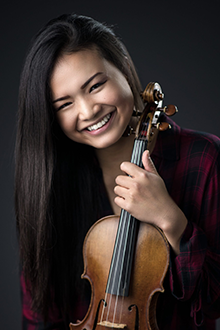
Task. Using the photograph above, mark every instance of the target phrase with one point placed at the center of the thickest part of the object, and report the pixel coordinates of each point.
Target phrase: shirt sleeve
(195, 272)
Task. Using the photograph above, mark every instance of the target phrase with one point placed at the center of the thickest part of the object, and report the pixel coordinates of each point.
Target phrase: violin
(126, 260)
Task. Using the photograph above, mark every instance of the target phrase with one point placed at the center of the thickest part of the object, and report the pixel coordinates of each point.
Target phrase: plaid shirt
(189, 163)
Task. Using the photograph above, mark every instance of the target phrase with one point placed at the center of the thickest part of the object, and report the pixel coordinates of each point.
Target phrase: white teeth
(100, 124)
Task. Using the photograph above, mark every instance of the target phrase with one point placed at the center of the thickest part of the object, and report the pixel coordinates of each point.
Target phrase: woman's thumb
(148, 163)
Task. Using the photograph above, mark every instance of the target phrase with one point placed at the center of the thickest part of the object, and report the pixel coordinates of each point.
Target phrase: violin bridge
(112, 325)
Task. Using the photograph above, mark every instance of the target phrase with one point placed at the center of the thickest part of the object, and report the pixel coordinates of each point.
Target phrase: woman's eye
(97, 85)
(64, 105)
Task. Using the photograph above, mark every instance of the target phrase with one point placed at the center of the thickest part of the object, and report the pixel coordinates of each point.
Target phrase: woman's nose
(87, 109)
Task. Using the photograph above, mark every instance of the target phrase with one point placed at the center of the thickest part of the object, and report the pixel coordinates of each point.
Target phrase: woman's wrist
(174, 227)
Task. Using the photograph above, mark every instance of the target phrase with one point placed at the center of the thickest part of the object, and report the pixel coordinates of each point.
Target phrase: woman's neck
(110, 159)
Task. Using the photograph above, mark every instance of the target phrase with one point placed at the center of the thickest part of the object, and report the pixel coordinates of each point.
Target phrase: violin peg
(170, 110)
(163, 126)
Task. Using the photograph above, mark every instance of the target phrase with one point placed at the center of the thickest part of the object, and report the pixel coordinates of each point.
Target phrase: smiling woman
(79, 92)
(93, 99)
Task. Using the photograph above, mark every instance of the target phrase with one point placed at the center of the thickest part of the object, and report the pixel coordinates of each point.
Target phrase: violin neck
(138, 149)
(122, 258)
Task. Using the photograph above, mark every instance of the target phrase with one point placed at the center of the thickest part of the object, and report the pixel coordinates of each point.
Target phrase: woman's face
(92, 98)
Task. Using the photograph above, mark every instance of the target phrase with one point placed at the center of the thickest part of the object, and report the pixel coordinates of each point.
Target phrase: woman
(78, 91)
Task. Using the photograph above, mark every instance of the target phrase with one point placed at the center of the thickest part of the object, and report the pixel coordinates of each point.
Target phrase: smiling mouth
(99, 124)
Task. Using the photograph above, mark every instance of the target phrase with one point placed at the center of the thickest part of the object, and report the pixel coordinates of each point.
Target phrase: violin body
(138, 309)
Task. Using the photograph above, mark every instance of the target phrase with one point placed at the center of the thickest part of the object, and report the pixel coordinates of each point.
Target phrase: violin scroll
(149, 123)
(153, 97)
(152, 93)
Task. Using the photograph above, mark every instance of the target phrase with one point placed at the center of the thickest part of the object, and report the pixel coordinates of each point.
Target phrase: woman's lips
(101, 126)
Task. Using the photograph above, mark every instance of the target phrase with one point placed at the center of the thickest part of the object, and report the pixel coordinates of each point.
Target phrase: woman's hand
(143, 194)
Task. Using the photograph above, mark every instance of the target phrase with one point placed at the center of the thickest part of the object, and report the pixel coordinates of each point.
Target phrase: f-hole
(97, 313)
(136, 315)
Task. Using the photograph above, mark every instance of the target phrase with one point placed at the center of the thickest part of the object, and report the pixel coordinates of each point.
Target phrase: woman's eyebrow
(90, 79)
(82, 87)
(61, 99)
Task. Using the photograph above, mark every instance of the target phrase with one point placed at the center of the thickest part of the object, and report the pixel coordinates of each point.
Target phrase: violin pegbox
(150, 118)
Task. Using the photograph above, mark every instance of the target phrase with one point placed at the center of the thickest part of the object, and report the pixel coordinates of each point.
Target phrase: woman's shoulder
(205, 144)
(203, 137)
(177, 142)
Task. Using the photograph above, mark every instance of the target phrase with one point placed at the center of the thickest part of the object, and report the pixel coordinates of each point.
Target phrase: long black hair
(55, 177)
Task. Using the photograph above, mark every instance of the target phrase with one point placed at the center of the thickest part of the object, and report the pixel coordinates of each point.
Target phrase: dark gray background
(173, 42)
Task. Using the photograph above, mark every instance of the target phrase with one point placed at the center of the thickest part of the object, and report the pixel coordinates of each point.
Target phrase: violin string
(127, 265)
(124, 233)
(121, 309)
(136, 156)
(118, 247)
(117, 243)
(131, 225)
(119, 265)
(126, 220)
(137, 152)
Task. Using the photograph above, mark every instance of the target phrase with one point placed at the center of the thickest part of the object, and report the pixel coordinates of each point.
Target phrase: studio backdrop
(175, 43)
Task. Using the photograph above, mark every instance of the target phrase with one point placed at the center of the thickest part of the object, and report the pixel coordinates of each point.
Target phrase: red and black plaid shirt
(189, 163)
